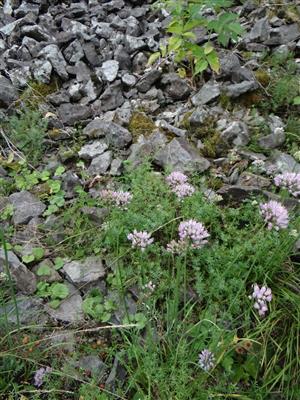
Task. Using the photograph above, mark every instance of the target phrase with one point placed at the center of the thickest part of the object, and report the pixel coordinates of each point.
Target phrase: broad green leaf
(189, 35)
(38, 253)
(58, 263)
(59, 170)
(44, 270)
(54, 303)
(236, 28)
(200, 66)
(59, 290)
(208, 48)
(28, 258)
(213, 61)
(45, 175)
(163, 50)
(296, 101)
(154, 56)
(174, 43)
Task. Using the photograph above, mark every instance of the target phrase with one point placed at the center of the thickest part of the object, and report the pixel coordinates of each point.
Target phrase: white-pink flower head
(176, 178)
(275, 215)
(140, 239)
(289, 181)
(193, 232)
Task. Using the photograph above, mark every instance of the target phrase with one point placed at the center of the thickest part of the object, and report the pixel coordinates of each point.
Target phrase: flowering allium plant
(275, 215)
(193, 232)
(120, 198)
(179, 185)
(206, 360)
(176, 178)
(183, 190)
(177, 247)
(140, 239)
(289, 181)
(262, 296)
(40, 375)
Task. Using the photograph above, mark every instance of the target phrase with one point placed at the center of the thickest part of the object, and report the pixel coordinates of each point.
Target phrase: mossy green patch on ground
(140, 124)
(36, 93)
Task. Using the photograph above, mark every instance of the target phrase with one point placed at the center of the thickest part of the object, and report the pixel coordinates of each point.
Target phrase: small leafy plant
(27, 132)
(97, 307)
(55, 291)
(183, 43)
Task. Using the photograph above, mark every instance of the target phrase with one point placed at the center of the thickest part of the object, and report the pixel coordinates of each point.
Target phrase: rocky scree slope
(96, 52)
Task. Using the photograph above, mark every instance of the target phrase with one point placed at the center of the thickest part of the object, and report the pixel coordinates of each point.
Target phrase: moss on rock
(140, 124)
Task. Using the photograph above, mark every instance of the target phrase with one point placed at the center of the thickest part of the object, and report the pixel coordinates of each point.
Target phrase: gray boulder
(54, 55)
(175, 87)
(70, 309)
(236, 89)
(180, 155)
(260, 31)
(30, 311)
(115, 135)
(81, 272)
(209, 91)
(100, 164)
(145, 83)
(283, 34)
(146, 147)
(8, 94)
(25, 279)
(42, 70)
(283, 162)
(26, 206)
(92, 150)
(112, 97)
(236, 133)
(73, 113)
(109, 70)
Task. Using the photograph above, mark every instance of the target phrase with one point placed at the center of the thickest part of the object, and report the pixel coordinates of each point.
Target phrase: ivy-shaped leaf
(58, 263)
(28, 258)
(59, 291)
(44, 270)
(38, 253)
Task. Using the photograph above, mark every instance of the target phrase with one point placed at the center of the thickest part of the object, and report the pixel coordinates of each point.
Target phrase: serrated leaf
(154, 56)
(44, 270)
(208, 48)
(189, 35)
(174, 43)
(200, 66)
(236, 28)
(213, 61)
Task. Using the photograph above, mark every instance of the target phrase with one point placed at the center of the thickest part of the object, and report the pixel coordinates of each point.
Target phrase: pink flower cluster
(120, 198)
(289, 181)
(191, 233)
(179, 185)
(140, 239)
(275, 215)
(262, 296)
